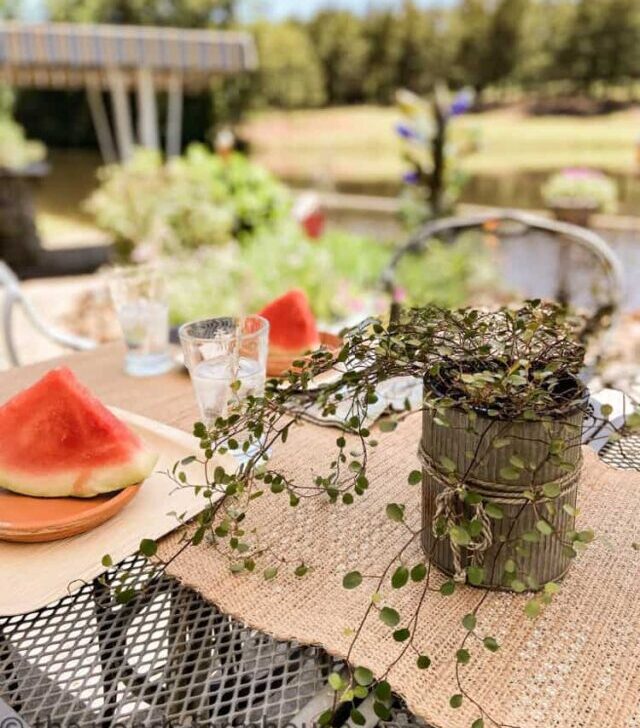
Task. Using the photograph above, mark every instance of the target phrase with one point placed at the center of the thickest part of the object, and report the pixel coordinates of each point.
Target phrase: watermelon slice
(292, 326)
(57, 439)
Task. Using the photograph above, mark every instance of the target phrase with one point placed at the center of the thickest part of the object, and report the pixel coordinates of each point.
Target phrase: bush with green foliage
(581, 188)
(338, 273)
(289, 74)
(17, 153)
(197, 200)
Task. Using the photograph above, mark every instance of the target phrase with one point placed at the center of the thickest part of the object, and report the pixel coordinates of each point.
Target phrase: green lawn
(357, 144)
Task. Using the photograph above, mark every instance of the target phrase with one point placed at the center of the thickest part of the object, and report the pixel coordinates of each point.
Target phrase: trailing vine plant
(486, 373)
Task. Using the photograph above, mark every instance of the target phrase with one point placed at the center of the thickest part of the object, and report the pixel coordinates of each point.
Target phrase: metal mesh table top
(169, 658)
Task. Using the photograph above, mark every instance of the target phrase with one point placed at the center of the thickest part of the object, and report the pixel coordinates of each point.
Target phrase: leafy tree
(603, 44)
(384, 36)
(472, 25)
(341, 45)
(290, 73)
(180, 13)
(425, 53)
(504, 39)
(539, 49)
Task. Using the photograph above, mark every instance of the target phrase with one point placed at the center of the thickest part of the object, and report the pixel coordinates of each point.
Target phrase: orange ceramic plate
(279, 364)
(30, 520)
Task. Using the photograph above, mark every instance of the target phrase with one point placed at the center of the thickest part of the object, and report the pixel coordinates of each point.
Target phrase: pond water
(72, 179)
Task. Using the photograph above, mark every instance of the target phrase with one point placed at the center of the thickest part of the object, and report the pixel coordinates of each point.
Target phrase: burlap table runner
(577, 665)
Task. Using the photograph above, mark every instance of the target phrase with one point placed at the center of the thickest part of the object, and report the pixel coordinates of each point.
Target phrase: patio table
(169, 658)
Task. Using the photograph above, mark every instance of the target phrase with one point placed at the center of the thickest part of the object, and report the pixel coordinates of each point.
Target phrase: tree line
(338, 57)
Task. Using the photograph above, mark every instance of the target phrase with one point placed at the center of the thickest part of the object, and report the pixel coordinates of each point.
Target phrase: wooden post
(174, 117)
(147, 111)
(121, 112)
(101, 123)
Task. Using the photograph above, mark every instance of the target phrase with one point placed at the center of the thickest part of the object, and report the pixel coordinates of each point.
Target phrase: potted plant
(502, 414)
(575, 194)
(21, 161)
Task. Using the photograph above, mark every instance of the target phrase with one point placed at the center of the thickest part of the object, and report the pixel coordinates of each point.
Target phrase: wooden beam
(101, 124)
(147, 110)
(174, 117)
(121, 113)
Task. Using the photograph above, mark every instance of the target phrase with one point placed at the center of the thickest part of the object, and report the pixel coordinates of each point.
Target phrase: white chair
(14, 297)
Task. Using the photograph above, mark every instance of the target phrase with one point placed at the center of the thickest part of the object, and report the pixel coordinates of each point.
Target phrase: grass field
(357, 144)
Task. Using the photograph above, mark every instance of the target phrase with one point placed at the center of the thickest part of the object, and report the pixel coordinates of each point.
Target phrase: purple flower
(411, 178)
(461, 103)
(406, 131)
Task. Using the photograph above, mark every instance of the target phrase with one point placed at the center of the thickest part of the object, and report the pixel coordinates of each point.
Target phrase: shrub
(338, 274)
(581, 188)
(198, 200)
(290, 74)
(16, 151)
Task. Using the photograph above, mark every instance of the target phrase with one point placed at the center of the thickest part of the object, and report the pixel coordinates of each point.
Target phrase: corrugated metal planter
(537, 562)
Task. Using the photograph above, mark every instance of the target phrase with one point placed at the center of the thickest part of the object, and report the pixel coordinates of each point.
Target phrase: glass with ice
(139, 298)
(219, 352)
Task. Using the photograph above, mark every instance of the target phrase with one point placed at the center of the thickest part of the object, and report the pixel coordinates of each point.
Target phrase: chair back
(586, 272)
(13, 297)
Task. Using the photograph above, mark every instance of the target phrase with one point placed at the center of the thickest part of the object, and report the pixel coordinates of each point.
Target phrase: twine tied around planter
(446, 502)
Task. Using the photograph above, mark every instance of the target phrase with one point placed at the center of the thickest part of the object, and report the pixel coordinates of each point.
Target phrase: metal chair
(14, 296)
(516, 225)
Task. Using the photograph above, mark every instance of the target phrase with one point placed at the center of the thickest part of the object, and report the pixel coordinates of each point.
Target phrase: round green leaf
(469, 622)
(352, 580)
(459, 535)
(455, 701)
(551, 490)
(479, 723)
(532, 608)
(491, 644)
(389, 616)
(475, 575)
(395, 511)
(363, 676)
(463, 656)
(415, 477)
(447, 588)
(383, 691)
(357, 717)
(423, 662)
(544, 527)
(148, 547)
(335, 681)
(381, 710)
(418, 572)
(400, 577)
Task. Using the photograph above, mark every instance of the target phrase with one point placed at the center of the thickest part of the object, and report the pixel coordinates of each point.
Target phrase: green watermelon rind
(78, 483)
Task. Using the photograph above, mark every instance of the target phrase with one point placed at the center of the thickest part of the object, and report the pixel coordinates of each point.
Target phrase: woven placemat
(576, 666)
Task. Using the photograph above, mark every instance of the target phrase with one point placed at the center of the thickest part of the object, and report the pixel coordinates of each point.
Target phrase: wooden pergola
(120, 59)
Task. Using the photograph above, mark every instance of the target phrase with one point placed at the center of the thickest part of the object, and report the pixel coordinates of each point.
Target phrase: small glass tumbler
(139, 297)
(221, 351)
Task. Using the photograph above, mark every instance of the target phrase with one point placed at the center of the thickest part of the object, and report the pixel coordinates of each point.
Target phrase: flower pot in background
(579, 214)
(575, 194)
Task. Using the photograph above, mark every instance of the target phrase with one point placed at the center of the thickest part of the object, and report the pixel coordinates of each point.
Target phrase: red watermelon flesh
(292, 324)
(57, 439)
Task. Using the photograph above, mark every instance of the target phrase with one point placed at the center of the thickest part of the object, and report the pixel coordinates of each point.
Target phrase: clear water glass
(139, 297)
(221, 351)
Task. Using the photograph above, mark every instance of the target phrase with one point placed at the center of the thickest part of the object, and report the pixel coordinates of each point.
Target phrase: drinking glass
(221, 351)
(139, 297)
